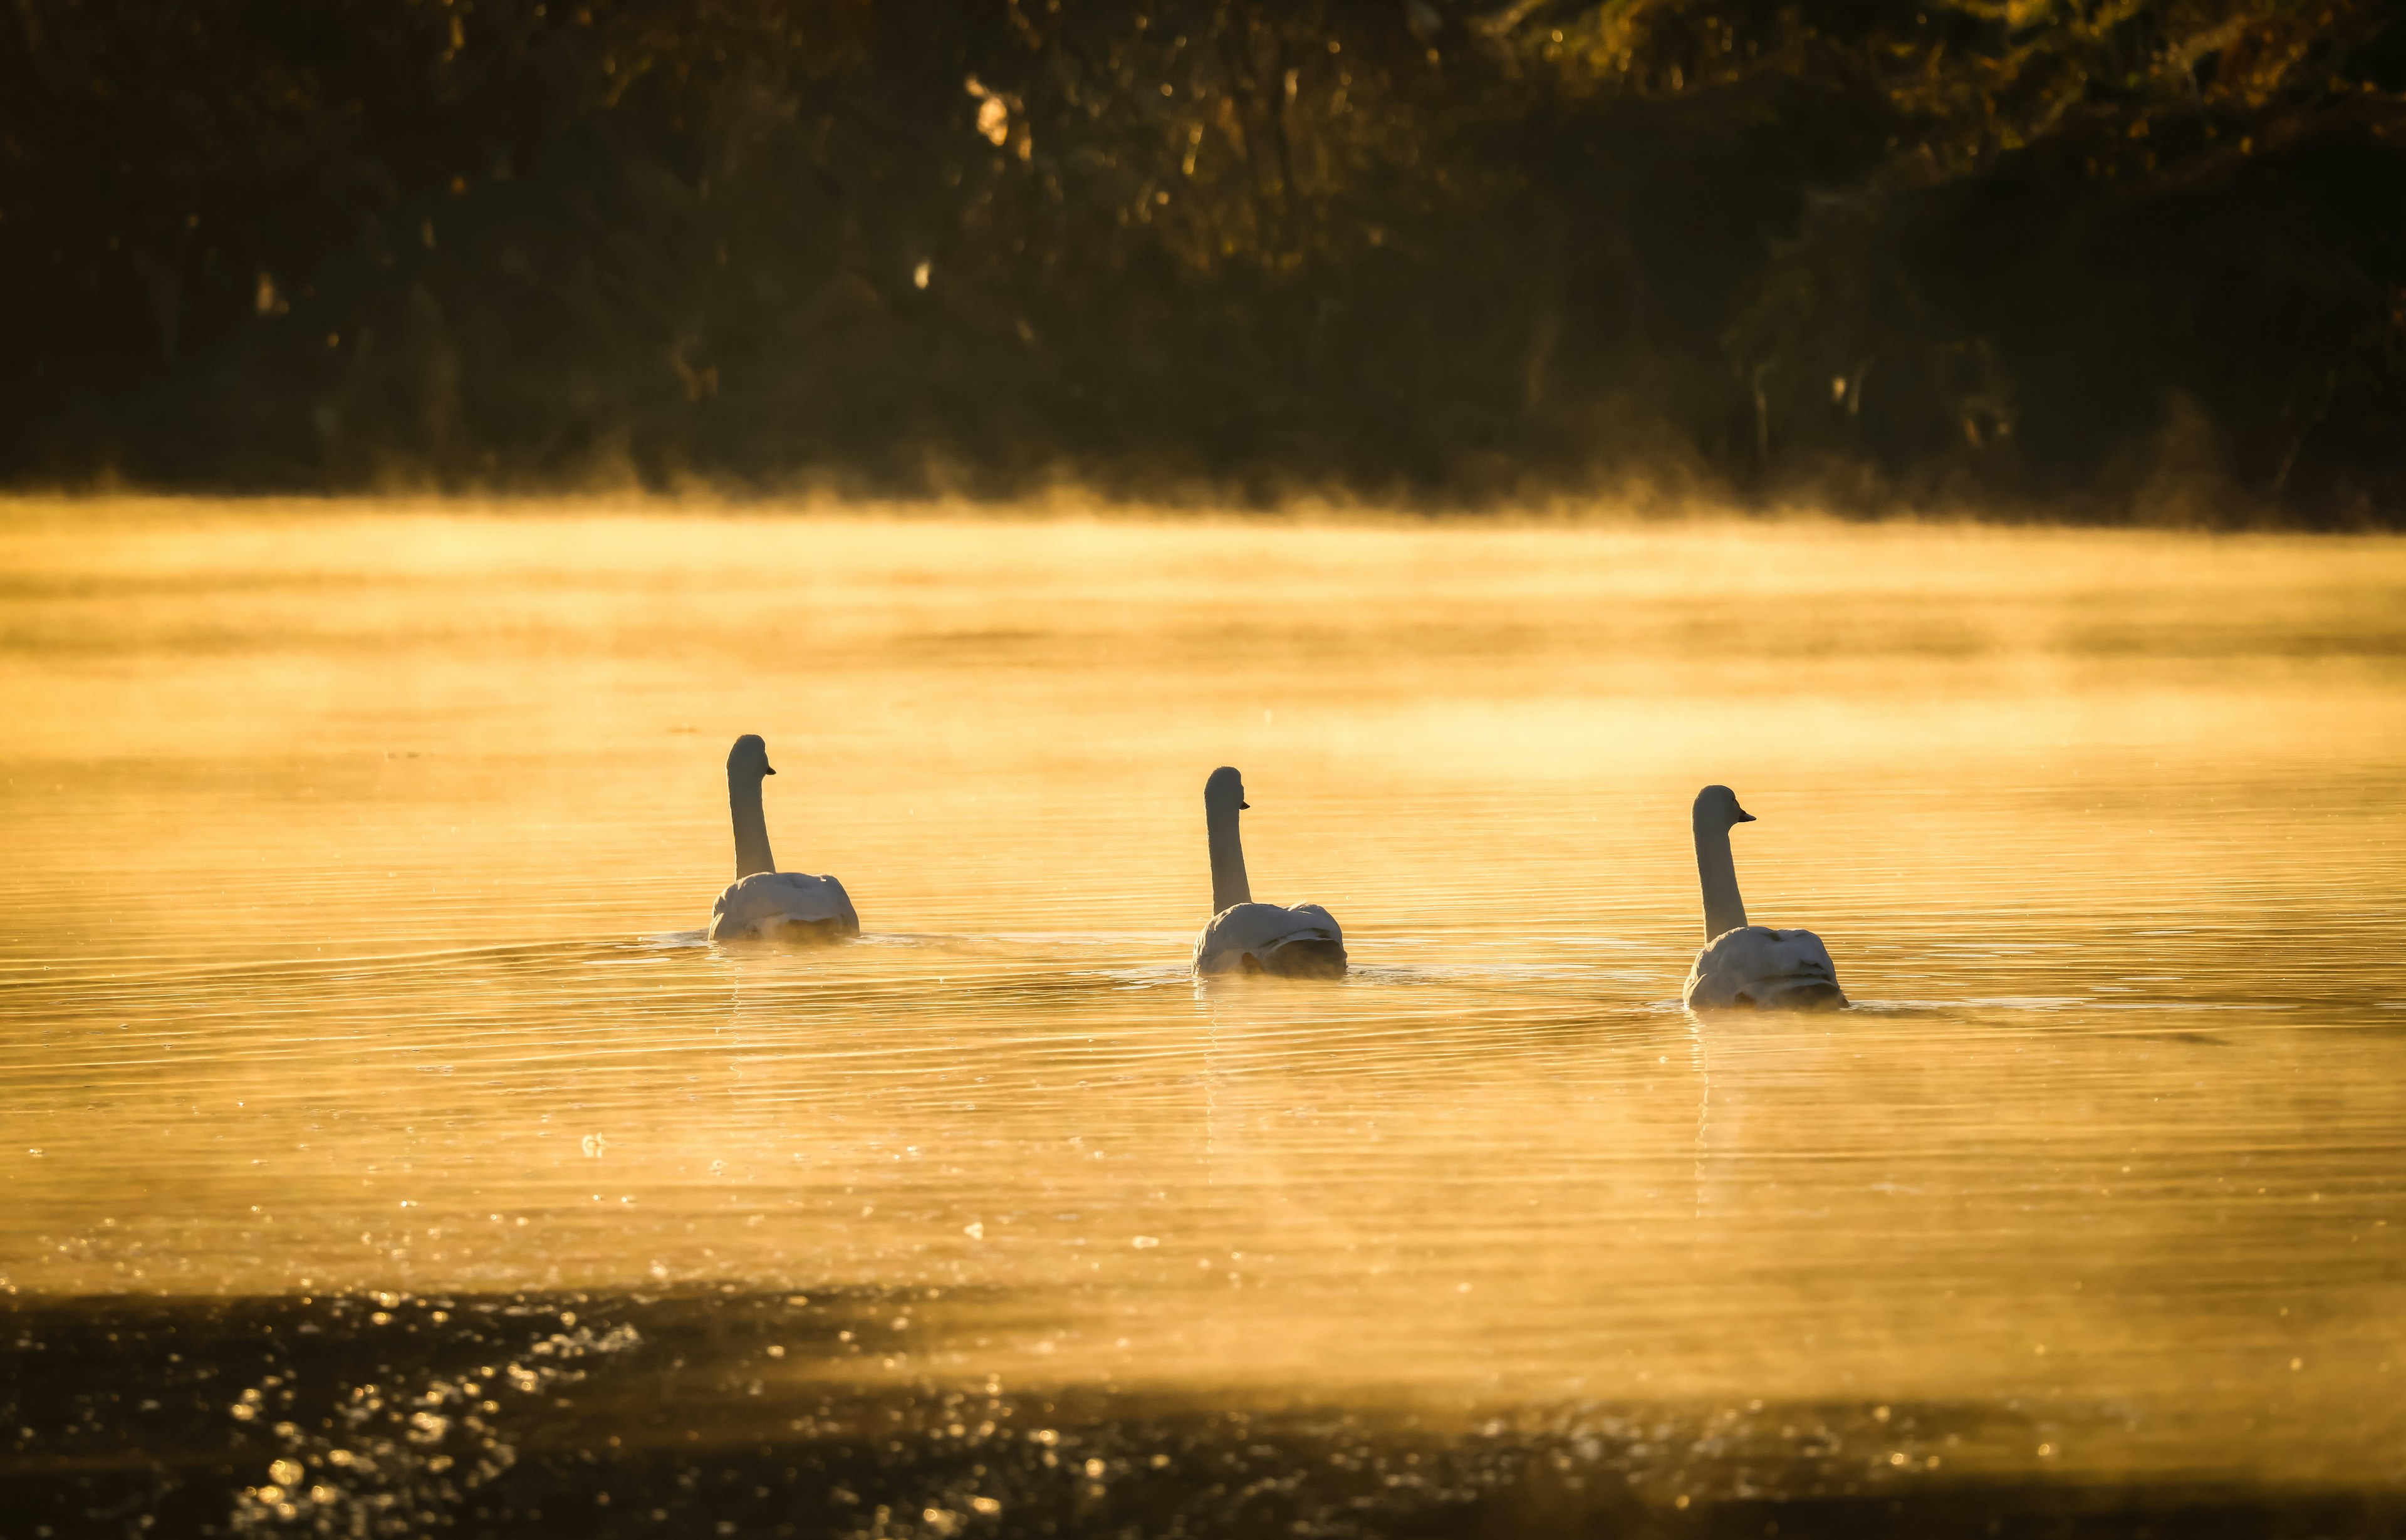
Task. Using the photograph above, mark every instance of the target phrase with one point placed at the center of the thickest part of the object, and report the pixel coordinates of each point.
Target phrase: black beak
(768, 769)
(1242, 806)
(1743, 816)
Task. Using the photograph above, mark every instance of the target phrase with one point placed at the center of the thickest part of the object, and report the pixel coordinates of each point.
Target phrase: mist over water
(353, 985)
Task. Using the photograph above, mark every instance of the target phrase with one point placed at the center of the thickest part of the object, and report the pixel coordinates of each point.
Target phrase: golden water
(349, 940)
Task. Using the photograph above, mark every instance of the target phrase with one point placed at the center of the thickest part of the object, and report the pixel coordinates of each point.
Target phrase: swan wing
(1248, 938)
(762, 902)
(1754, 967)
(844, 910)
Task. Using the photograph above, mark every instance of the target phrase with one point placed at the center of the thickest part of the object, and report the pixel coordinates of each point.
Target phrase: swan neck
(1228, 884)
(751, 826)
(1717, 868)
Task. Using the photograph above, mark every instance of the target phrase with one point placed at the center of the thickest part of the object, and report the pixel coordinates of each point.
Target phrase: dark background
(2104, 260)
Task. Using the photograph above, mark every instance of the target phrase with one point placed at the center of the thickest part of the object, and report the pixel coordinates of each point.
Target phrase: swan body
(763, 901)
(1742, 966)
(1244, 937)
(769, 902)
(1757, 968)
(1299, 942)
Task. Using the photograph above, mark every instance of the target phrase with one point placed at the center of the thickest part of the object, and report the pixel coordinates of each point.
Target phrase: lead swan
(1743, 965)
(763, 901)
(1244, 937)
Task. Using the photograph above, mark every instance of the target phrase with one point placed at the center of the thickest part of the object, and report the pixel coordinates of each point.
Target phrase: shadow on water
(720, 1412)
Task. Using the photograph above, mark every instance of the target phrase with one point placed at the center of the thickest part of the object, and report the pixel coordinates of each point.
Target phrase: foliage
(2009, 252)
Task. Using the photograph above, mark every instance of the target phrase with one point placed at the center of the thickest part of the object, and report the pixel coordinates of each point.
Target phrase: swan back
(1304, 941)
(1757, 968)
(772, 903)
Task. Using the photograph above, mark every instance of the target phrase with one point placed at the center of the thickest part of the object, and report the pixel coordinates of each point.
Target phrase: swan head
(1716, 808)
(749, 756)
(1225, 792)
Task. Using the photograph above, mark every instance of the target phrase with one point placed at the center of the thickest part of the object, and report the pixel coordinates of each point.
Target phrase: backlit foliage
(1994, 250)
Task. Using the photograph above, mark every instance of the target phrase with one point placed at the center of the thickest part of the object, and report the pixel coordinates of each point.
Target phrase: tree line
(2087, 257)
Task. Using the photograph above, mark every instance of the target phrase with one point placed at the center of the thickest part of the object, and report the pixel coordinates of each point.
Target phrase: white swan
(763, 901)
(1743, 965)
(1244, 937)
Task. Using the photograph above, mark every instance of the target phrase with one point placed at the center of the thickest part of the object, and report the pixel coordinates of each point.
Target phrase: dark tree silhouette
(2053, 255)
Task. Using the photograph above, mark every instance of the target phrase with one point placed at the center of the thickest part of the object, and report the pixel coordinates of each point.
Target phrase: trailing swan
(1244, 937)
(763, 901)
(1743, 965)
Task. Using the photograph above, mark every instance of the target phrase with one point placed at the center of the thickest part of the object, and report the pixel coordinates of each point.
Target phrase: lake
(388, 1151)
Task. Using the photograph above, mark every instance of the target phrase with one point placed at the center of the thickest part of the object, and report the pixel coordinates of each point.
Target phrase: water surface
(350, 967)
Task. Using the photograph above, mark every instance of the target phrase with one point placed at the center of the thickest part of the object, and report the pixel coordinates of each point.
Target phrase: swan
(1744, 965)
(763, 901)
(1244, 937)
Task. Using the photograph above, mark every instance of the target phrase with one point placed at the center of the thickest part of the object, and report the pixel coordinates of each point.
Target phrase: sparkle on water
(357, 861)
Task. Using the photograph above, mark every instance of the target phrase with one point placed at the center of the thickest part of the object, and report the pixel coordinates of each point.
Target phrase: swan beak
(1242, 806)
(768, 769)
(1743, 816)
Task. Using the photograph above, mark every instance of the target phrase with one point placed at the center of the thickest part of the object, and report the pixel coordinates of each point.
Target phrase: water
(358, 1031)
